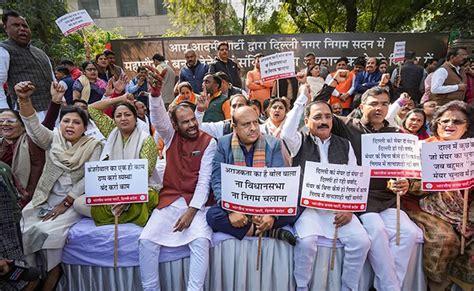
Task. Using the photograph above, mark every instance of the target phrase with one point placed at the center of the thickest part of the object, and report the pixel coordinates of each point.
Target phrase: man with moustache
(223, 63)
(246, 146)
(218, 108)
(193, 72)
(179, 219)
(449, 81)
(20, 61)
(367, 79)
(389, 261)
(319, 145)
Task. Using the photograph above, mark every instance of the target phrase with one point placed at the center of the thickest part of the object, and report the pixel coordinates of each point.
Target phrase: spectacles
(91, 69)
(8, 121)
(445, 122)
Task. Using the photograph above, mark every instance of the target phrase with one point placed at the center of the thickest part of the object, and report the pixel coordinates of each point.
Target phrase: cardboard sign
(74, 21)
(399, 51)
(335, 187)
(391, 155)
(117, 181)
(277, 66)
(448, 165)
(260, 191)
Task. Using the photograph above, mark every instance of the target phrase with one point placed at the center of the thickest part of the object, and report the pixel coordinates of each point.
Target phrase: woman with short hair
(49, 215)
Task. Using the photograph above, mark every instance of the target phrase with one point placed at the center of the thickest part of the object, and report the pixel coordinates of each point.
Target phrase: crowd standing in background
(185, 125)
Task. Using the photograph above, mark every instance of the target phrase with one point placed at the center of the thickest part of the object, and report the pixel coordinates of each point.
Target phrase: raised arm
(40, 135)
(57, 94)
(102, 120)
(289, 132)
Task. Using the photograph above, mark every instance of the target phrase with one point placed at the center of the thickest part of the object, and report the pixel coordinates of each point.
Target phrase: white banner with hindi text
(277, 66)
(72, 22)
(117, 181)
(335, 187)
(260, 191)
(448, 165)
(391, 155)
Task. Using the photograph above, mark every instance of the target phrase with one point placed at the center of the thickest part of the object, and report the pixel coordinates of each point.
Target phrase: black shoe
(281, 234)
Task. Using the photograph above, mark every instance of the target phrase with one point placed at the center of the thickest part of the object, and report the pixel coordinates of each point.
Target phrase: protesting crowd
(56, 118)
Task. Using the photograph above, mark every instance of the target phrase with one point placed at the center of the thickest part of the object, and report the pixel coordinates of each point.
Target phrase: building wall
(147, 22)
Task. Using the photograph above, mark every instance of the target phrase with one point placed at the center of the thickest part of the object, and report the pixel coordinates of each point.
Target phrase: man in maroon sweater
(179, 218)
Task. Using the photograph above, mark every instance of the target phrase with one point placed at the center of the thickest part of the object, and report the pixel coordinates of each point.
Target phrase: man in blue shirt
(248, 147)
(193, 72)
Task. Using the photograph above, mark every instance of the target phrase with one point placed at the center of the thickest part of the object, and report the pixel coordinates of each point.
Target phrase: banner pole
(464, 220)
(259, 250)
(334, 249)
(116, 241)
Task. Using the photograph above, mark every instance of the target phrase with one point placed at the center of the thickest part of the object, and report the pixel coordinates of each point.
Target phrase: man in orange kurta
(257, 89)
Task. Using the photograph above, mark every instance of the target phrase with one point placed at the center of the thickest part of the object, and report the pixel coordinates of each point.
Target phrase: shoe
(281, 234)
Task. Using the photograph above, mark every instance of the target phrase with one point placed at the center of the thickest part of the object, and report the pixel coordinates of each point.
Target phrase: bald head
(246, 126)
(244, 112)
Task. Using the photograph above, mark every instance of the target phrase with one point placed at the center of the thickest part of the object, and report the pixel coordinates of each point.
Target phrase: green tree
(260, 21)
(361, 15)
(41, 16)
(449, 15)
(210, 17)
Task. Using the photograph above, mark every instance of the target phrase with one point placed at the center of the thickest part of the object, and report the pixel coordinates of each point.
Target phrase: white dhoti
(159, 232)
(389, 261)
(313, 223)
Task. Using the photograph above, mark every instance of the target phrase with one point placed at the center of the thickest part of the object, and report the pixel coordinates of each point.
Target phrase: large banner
(391, 155)
(260, 191)
(448, 165)
(134, 52)
(335, 187)
(117, 181)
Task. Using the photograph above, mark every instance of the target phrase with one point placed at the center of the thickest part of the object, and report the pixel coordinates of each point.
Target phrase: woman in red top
(414, 123)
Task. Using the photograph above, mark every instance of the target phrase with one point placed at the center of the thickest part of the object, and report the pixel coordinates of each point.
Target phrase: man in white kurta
(314, 222)
(182, 221)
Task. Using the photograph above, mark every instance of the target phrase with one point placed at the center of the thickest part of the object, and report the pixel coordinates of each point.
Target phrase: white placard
(391, 155)
(277, 66)
(398, 51)
(74, 21)
(117, 181)
(335, 187)
(260, 191)
(448, 165)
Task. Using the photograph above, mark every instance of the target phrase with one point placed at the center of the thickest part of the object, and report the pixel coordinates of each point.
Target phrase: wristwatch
(66, 204)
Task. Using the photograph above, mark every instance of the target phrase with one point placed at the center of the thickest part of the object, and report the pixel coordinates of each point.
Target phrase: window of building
(160, 7)
(92, 7)
(128, 8)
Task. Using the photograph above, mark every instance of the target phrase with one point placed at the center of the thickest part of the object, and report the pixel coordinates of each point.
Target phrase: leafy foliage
(41, 16)
(361, 15)
(210, 17)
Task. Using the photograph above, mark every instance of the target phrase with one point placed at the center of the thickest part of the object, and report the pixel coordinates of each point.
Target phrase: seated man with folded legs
(319, 145)
(179, 218)
(389, 261)
(246, 146)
